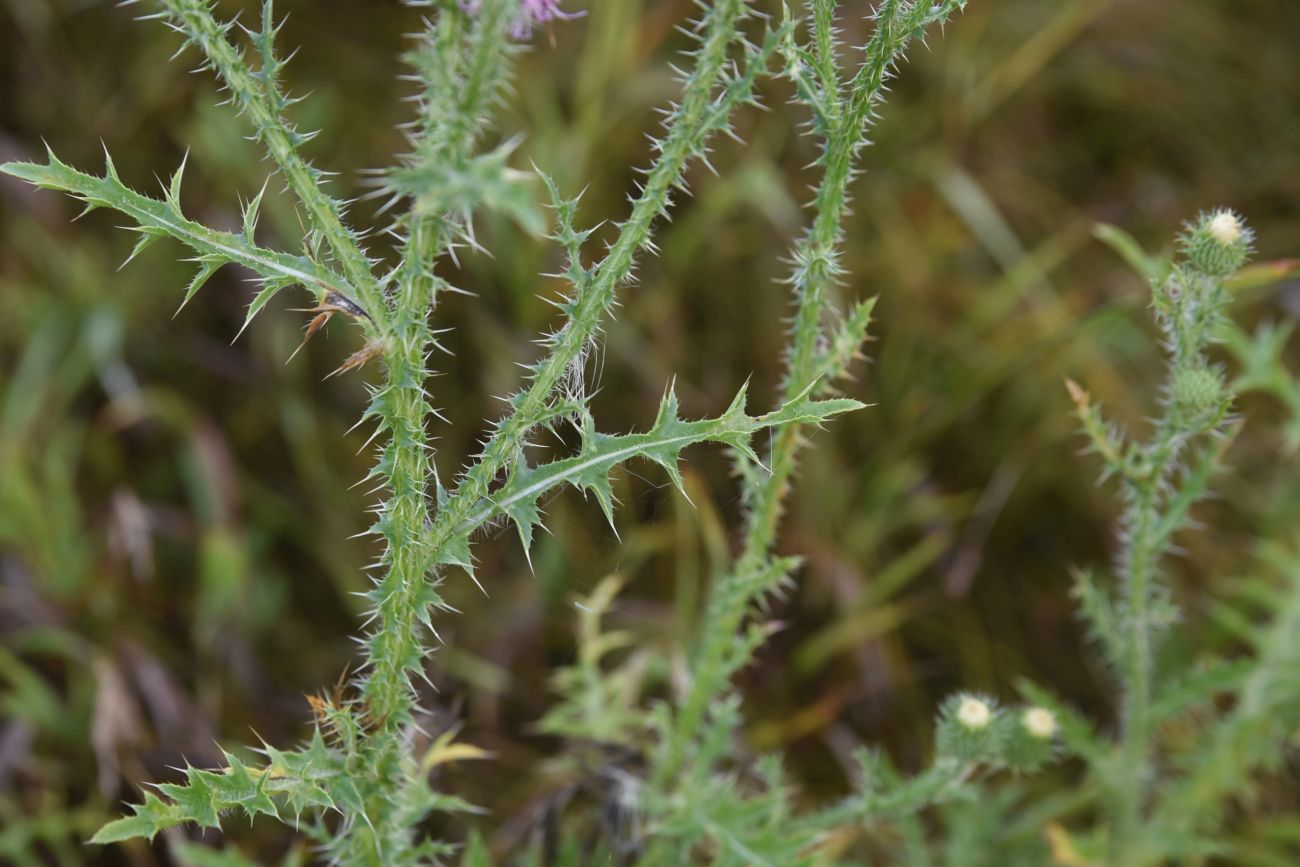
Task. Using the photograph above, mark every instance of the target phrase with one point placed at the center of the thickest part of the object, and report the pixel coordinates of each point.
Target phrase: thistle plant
(1158, 494)
(687, 789)
(1158, 807)
(358, 764)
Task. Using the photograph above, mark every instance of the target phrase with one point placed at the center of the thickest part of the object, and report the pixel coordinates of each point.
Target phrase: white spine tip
(974, 714)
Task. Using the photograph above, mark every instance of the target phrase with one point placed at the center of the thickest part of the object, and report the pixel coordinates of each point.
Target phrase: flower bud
(1029, 740)
(1225, 228)
(1197, 388)
(1218, 243)
(1039, 722)
(974, 713)
(969, 729)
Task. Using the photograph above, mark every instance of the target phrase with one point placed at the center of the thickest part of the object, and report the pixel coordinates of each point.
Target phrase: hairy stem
(462, 65)
(844, 122)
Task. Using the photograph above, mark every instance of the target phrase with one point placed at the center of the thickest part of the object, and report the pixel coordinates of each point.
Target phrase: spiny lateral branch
(291, 783)
(256, 94)
(448, 541)
(162, 218)
(599, 453)
(701, 113)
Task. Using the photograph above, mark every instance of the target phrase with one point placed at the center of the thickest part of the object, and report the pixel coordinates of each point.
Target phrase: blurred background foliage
(175, 562)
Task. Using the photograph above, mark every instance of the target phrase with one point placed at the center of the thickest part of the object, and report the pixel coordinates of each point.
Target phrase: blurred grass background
(174, 510)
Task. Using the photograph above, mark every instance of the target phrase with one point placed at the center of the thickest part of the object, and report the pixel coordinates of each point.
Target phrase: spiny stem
(1158, 492)
(845, 121)
(445, 140)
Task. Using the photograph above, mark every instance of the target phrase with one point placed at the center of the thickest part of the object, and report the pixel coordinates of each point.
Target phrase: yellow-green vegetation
(878, 612)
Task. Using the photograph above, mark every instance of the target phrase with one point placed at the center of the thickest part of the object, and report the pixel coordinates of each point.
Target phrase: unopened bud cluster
(973, 728)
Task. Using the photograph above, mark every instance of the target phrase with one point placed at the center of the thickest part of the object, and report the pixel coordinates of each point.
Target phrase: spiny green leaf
(1098, 611)
(174, 188)
(250, 215)
(268, 291)
(299, 778)
(600, 453)
(150, 817)
(483, 183)
(147, 237)
(526, 515)
(456, 552)
(845, 344)
(156, 218)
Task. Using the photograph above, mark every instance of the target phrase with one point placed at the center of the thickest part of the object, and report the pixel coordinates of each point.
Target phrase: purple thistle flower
(531, 12)
(538, 12)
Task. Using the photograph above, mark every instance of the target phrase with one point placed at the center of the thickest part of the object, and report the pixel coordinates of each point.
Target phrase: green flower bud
(1218, 243)
(969, 729)
(1028, 741)
(1197, 388)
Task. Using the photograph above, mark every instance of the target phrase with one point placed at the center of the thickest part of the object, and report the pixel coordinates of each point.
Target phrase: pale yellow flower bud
(1225, 228)
(974, 714)
(1039, 722)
